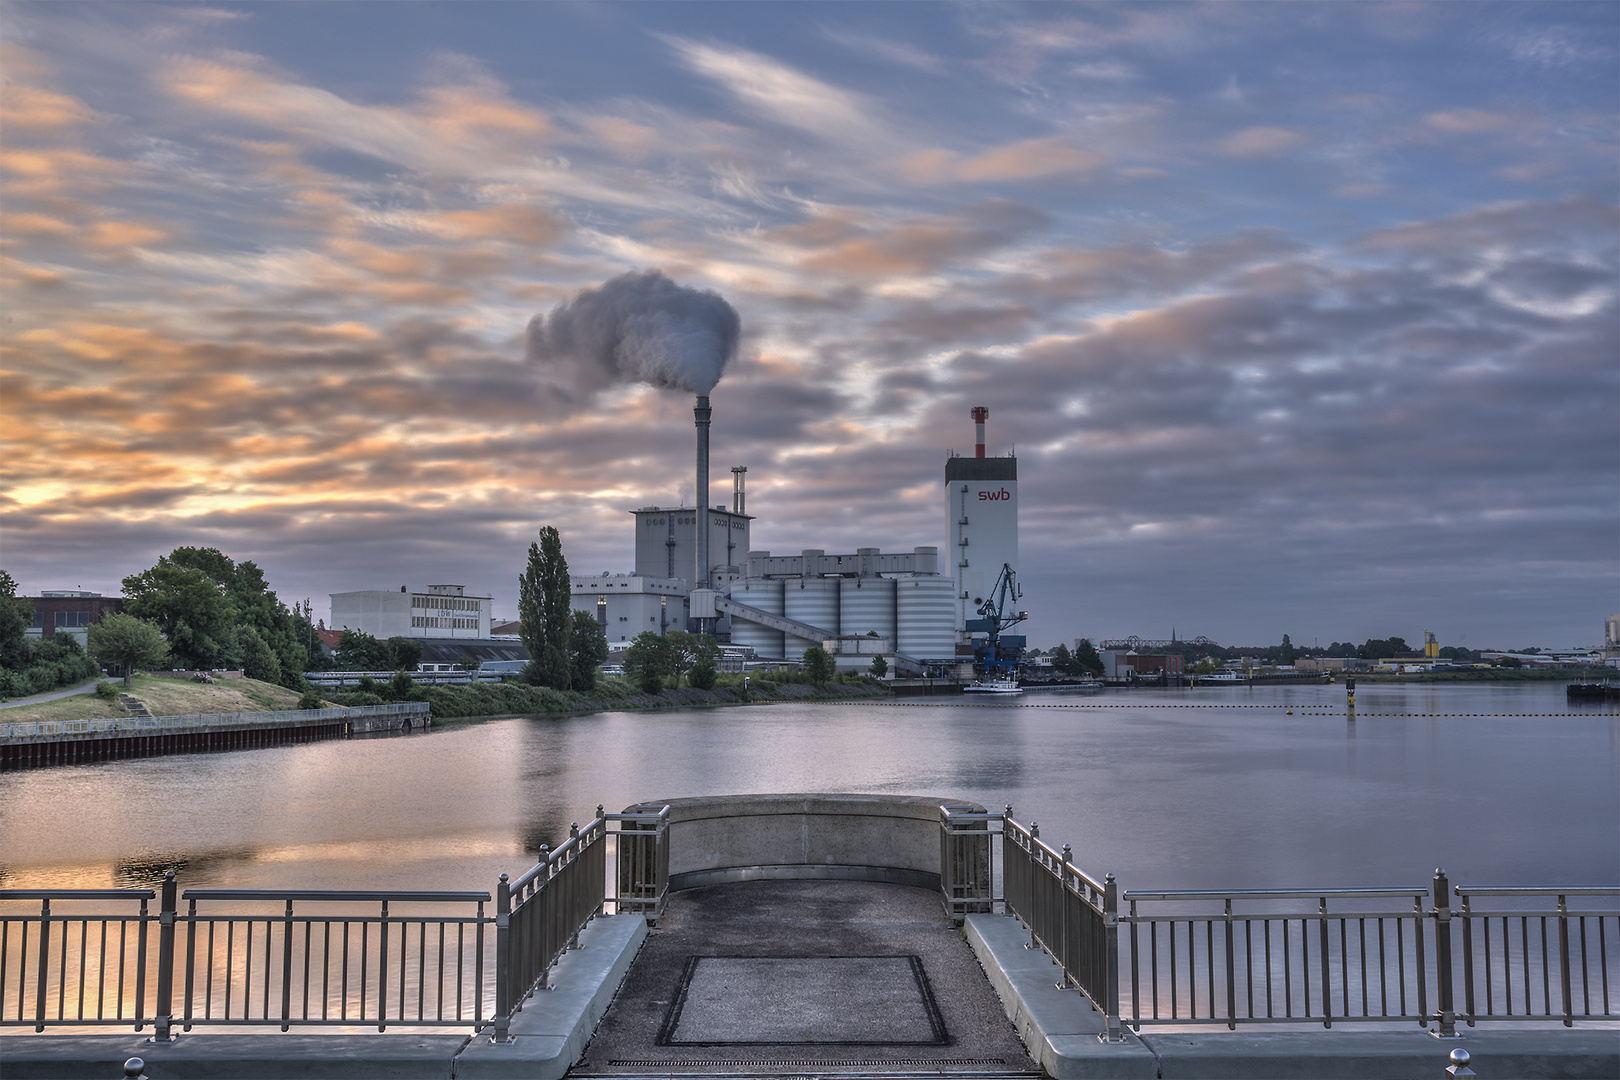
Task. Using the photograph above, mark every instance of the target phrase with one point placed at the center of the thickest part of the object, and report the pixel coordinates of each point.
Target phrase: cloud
(1260, 142)
(1030, 159)
(782, 93)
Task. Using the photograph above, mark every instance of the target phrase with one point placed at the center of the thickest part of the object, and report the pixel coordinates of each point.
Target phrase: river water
(1238, 795)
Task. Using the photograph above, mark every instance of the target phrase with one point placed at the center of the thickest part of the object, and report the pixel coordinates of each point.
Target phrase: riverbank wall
(38, 743)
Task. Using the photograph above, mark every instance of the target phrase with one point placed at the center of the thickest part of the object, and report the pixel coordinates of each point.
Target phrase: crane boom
(999, 655)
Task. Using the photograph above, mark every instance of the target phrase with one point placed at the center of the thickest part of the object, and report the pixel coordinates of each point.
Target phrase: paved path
(763, 978)
(55, 695)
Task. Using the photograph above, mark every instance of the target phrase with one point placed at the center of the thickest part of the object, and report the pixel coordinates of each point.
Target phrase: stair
(135, 706)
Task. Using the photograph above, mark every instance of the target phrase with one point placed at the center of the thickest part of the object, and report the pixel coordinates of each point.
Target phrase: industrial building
(694, 570)
(439, 611)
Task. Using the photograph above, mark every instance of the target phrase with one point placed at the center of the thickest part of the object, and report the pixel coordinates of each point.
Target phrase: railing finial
(1459, 1064)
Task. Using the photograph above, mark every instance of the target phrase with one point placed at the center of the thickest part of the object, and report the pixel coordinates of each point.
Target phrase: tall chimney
(701, 414)
(737, 496)
(980, 415)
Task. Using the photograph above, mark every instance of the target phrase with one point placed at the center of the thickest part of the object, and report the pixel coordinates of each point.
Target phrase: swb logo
(994, 496)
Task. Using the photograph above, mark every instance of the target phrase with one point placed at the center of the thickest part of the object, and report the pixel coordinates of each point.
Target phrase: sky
(1300, 318)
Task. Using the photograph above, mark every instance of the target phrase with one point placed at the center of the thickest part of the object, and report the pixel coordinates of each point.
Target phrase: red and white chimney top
(980, 414)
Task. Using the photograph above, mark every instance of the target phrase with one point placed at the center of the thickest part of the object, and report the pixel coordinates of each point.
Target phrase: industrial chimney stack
(700, 579)
(980, 415)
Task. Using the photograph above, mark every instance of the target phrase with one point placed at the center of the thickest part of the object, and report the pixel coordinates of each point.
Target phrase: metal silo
(812, 600)
(866, 604)
(765, 594)
(926, 607)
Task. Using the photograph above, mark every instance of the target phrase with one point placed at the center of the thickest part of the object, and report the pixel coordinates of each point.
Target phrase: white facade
(627, 604)
(439, 611)
(981, 510)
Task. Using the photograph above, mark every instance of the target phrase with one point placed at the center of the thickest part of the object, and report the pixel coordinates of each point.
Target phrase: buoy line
(1304, 710)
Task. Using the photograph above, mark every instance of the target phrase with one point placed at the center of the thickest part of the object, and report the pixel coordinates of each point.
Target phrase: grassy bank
(163, 697)
(610, 694)
(1495, 675)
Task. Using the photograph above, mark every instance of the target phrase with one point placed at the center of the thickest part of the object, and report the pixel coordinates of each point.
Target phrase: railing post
(1065, 955)
(45, 961)
(286, 966)
(163, 1019)
(1111, 950)
(1442, 955)
(575, 886)
(503, 960)
(1563, 959)
(1231, 973)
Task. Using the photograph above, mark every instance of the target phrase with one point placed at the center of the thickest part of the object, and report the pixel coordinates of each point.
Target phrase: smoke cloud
(638, 327)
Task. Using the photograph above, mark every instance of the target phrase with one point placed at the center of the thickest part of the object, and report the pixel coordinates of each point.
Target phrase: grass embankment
(1495, 675)
(163, 697)
(610, 694)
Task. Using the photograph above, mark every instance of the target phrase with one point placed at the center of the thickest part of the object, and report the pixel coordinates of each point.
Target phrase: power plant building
(694, 570)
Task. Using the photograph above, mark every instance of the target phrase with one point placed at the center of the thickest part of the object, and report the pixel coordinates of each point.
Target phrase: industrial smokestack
(701, 415)
(738, 502)
(980, 415)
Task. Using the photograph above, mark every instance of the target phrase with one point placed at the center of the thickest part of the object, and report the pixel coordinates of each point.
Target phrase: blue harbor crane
(998, 656)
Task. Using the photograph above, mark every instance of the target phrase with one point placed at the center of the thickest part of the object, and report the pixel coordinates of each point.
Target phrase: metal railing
(966, 859)
(262, 957)
(189, 721)
(1579, 950)
(641, 858)
(1258, 961)
(1069, 913)
(541, 914)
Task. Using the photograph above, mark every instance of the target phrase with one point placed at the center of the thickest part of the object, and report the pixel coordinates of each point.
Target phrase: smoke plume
(638, 327)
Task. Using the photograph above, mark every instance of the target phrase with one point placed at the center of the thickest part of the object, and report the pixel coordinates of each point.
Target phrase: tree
(1206, 666)
(404, 654)
(1286, 655)
(588, 650)
(819, 665)
(359, 651)
(880, 666)
(15, 614)
(259, 660)
(189, 607)
(645, 661)
(1062, 661)
(1086, 658)
(546, 621)
(121, 638)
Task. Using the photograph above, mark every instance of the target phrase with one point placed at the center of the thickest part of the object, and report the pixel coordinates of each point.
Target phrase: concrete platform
(769, 978)
(1061, 1029)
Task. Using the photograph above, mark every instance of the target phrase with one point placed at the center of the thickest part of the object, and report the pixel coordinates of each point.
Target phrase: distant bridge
(1134, 642)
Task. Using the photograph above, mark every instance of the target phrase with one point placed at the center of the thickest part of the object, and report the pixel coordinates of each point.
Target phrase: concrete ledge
(1060, 1028)
(219, 1056)
(889, 875)
(551, 1032)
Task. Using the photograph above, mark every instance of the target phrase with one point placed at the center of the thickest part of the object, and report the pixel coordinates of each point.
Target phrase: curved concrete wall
(893, 838)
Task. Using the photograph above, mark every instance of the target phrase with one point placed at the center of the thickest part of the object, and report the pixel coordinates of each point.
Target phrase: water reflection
(1211, 788)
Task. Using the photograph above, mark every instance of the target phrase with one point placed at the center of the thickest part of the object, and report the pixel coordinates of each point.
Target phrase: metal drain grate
(795, 1063)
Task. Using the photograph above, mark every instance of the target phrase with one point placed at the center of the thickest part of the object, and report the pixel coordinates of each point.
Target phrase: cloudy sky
(1301, 318)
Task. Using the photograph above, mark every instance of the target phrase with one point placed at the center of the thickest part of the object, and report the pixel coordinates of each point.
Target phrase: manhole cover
(800, 1000)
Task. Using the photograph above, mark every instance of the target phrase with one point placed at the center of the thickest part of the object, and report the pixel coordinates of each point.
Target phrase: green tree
(189, 607)
(880, 666)
(359, 651)
(121, 638)
(544, 612)
(646, 660)
(819, 665)
(1286, 655)
(1086, 658)
(1063, 661)
(259, 660)
(588, 650)
(1205, 666)
(15, 614)
(404, 654)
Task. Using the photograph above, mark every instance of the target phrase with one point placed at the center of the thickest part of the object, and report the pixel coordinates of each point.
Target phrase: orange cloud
(31, 108)
(1260, 142)
(1032, 159)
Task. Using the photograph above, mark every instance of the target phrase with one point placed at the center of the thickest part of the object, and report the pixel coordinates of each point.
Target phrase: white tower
(981, 513)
